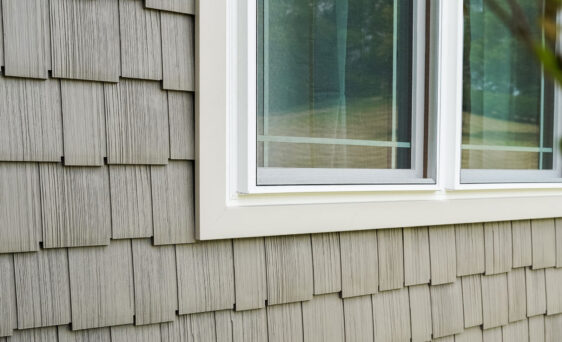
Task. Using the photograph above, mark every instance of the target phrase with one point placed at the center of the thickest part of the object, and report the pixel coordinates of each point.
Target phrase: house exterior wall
(97, 214)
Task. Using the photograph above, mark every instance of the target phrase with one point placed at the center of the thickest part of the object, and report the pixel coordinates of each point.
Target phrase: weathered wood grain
(155, 281)
(391, 315)
(495, 307)
(544, 243)
(173, 207)
(536, 328)
(42, 288)
(470, 335)
(553, 290)
(141, 45)
(182, 125)
(470, 248)
(289, 269)
(181, 6)
(498, 247)
(447, 309)
(391, 259)
(83, 118)
(359, 263)
(30, 120)
(522, 243)
(178, 51)
(88, 335)
(536, 292)
(517, 292)
(205, 276)
(85, 39)
(358, 317)
(20, 213)
(177, 331)
(416, 256)
(131, 333)
(492, 335)
(131, 201)
(203, 327)
(35, 335)
(250, 273)
(26, 38)
(246, 326)
(326, 263)
(443, 255)
(558, 225)
(516, 331)
(323, 319)
(553, 328)
(101, 285)
(420, 311)
(137, 123)
(75, 206)
(284, 323)
(7, 295)
(472, 300)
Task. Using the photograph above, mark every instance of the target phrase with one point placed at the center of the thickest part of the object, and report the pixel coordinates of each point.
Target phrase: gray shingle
(553, 328)
(88, 335)
(492, 335)
(391, 259)
(470, 335)
(20, 214)
(249, 273)
(181, 6)
(284, 323)
(7, 295)
(155, 281)
(536, 329)
(223, 326)
(203, 327)
(558, 224)
(495, 305)
(391, 315)
(472, 300)
(358, 317)
(35, 335)
(137, 123)
(536, 292)
(326, 263)
(75, 206)
(498, 247)
(420, 311)
(553, 290)
(522, 248)
(516, 332)
(246, 326)
(443, 255)
(544, 243)
(172, 203)
(517, 293)
(447, 309)
(131, 333)
(289, 269)
(182, 125)
(205, 276)
(323, 319)
(30, 120)
(83, 118)
(26, 38)
(101, 285)
(42, 288)
(177, 331)
(141, 46)
(470, 248)
(359, 263)
(178, 51)
(131, 201)
(416, 256)
(85, 39)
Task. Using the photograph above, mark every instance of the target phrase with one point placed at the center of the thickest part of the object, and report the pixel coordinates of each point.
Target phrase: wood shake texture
(97, 214)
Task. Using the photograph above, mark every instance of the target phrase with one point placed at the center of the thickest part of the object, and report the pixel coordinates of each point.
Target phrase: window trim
(222, 212)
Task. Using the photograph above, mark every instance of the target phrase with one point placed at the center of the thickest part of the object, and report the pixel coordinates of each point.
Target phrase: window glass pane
(334, 84)
(507, 102)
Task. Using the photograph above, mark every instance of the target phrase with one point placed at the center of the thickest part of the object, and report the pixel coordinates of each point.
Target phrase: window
(337, 82)
(509, 126)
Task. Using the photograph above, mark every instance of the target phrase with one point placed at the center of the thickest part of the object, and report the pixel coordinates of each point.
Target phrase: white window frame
(222, 211)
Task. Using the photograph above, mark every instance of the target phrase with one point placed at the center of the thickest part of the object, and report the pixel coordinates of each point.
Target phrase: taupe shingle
(447, 309)
(516, 332)
(470, 249)
(203, 327)
(27, 38)
(498, 247)
(205, 276)
(553, 328)
(443, 255)
(246, 326)
(182, 125)
(472, 300)
(20, 213)
(181, 6)
(358, 317)
(178, 51)
(359, 263)
(35, 335)
(517, 292)
(416, 256)
(177, 331)
(101, 285)
(284, 323)
(470, 335)
(492, 335)
(391, 315)
(75, 206)
(141, 45)
(289, 269)
(323, 319)
(495, 307)
(558, 224)
(88, 335)
(7, 295)
(131, 333)
(42, 288)
(391, 259)
(85, 39)
(536, 328)
(536, 292)
(522, 243)
(544, 243)
(250, 273)
(553, 290)
(326, 263)
(420, 311)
